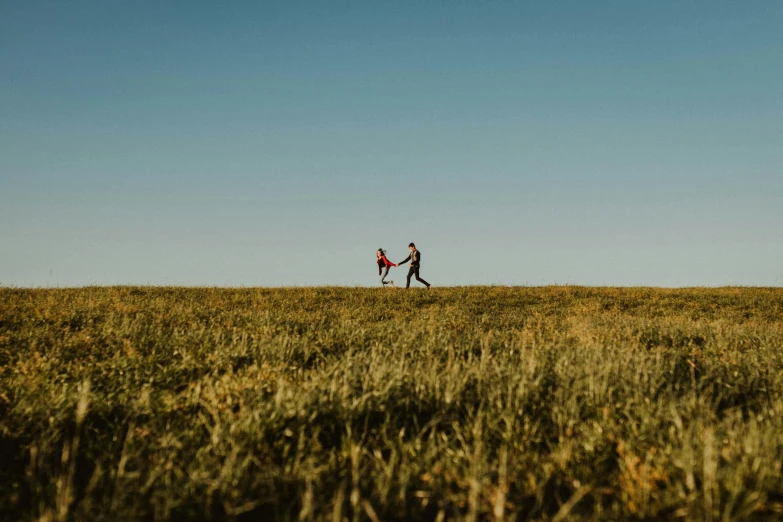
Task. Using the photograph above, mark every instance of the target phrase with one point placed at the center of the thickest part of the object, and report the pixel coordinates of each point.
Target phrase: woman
(383, 266)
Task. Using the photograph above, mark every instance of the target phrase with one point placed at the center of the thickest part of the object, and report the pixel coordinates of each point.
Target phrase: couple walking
(415, 261)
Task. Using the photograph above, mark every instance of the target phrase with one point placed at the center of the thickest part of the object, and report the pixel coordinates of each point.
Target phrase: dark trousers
(415, 270)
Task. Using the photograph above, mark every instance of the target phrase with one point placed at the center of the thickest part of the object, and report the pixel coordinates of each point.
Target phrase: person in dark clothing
(383, 267)
(415, 262)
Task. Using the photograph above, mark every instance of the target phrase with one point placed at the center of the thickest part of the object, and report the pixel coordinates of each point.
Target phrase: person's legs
(410, 274)
(383, 276)
(420, 280)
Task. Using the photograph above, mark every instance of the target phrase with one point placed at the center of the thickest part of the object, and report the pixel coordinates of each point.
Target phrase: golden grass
(474, 403)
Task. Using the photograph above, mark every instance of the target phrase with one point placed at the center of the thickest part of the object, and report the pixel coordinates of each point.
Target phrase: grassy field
(476, 403)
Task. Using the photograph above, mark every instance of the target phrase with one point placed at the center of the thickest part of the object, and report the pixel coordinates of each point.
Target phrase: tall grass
(475, 403)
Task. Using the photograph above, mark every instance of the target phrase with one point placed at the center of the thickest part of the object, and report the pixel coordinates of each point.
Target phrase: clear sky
(622, 142)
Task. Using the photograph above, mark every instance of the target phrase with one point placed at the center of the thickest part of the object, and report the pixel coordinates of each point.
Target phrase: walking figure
(383, 266)
(415, 262)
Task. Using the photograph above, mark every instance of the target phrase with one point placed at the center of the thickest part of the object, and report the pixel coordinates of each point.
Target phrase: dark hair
(412, 245)
(382, 251)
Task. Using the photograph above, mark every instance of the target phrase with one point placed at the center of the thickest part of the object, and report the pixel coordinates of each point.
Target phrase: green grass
(476, 403)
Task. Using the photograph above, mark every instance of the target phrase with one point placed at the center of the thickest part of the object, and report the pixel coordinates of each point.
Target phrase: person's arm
(404, 260)
(387, 262)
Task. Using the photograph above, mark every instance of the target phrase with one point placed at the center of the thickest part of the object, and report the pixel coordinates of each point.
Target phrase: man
(415, 261)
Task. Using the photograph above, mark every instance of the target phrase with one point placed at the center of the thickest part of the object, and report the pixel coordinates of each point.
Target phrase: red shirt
(383, 262)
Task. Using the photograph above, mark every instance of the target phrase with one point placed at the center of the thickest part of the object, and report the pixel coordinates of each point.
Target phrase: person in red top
(383, 266)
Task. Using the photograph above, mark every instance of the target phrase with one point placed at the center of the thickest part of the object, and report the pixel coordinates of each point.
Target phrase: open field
(476, 403)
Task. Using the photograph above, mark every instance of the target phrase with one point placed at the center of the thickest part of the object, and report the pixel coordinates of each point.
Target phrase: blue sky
(281, 143)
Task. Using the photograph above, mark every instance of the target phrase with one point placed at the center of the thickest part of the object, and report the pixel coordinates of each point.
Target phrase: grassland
(556, 403)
